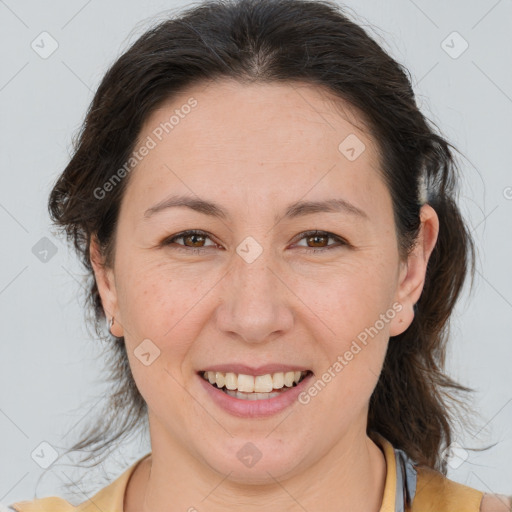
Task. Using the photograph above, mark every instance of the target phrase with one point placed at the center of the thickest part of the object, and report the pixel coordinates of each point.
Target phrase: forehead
(262, 139)
(226, 112)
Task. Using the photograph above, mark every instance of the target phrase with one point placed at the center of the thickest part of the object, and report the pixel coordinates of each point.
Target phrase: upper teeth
(249, 384)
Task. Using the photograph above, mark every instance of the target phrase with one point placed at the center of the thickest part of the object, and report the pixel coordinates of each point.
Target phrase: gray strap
(406, 477)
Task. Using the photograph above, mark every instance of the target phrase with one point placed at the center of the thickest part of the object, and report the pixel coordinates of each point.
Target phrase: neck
(349, 478)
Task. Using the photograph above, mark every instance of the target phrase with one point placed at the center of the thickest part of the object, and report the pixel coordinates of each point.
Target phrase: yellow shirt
(434, 492)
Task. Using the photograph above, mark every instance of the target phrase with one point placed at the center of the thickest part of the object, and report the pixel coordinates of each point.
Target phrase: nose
(256, 303)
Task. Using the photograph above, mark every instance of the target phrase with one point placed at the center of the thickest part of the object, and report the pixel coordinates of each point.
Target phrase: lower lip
(255, 408)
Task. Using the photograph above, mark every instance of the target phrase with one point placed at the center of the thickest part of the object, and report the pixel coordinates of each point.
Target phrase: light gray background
(48, 372)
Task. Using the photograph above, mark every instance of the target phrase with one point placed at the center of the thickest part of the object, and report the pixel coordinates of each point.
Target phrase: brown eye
(317, 241)
(196, 240)
(193, 240)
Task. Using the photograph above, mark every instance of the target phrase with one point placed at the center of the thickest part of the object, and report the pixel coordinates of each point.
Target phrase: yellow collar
(389, 497)
(111, 497)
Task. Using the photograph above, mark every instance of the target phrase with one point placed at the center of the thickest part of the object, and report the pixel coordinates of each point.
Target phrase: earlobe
(106, 285)
(404, 315)
(413, 271)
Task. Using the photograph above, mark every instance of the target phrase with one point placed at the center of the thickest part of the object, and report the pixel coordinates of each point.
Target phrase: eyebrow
(294, 210)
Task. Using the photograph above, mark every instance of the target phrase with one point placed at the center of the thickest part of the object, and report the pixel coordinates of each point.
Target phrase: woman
(273, 238)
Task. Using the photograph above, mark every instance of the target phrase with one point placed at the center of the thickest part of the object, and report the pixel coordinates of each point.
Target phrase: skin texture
(254, 149)
(496, 503)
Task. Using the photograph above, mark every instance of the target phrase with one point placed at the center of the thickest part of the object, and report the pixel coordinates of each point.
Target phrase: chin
(255, 462)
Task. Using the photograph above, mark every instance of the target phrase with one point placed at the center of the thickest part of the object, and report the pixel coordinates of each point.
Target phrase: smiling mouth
(248, 387)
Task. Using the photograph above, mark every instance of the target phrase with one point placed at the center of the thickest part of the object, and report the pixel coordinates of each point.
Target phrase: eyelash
(305, 234)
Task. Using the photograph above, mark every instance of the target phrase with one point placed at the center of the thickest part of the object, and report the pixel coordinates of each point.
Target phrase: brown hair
(286, 41)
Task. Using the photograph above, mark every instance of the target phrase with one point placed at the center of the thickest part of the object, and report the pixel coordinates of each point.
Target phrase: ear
(412, 272)
(106, 287)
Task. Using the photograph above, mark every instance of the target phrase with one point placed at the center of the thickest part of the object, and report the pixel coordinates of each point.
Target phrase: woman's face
(251, 290)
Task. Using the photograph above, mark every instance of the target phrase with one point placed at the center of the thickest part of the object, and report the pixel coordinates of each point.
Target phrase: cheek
(160, 322)
(350, 311)
(352, 349)
(153, 296)
(162, 305)
(347, 298)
